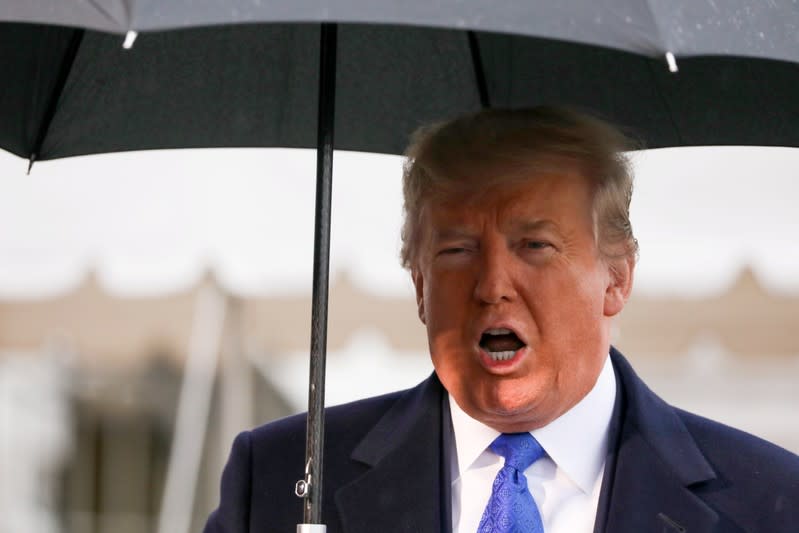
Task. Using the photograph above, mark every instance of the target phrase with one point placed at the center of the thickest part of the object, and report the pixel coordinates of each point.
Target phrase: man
(518, 241)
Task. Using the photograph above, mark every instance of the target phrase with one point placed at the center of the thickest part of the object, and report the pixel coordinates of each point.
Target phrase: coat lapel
(656, 464)
(402, 491)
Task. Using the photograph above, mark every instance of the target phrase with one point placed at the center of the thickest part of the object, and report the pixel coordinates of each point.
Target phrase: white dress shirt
(565, 484)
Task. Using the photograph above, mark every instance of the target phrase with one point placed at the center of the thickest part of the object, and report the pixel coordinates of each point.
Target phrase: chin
(513, 407)
(516, 405)
(511, 410)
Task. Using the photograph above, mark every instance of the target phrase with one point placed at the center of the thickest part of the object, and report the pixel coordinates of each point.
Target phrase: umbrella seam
(105, 13)
(664, 45)
(653, 76)
(55, 96)
(479, 72)
(665, 102)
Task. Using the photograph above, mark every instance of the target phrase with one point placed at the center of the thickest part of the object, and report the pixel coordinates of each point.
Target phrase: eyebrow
(524, 226)
(453, 233)
(521, 226)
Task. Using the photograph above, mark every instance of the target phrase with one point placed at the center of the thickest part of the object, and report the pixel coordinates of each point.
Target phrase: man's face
(516, 299)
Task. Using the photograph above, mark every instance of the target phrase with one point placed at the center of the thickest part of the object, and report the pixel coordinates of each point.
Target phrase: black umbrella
(655, 67)
(66, 92)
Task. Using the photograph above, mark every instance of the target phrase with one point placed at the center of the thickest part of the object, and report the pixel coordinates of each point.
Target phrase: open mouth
(500, 343)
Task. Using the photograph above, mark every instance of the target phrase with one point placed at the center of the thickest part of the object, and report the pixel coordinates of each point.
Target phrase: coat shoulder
(750, 484)
(738, 450)
(749, 469)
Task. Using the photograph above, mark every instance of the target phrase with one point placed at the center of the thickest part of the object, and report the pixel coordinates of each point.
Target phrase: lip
(498, 324)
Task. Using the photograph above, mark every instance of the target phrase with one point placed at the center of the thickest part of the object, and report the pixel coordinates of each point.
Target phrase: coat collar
(404, 486)
(652, 466)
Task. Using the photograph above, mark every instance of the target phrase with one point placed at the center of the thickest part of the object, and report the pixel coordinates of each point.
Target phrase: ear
(418, 283)
(619, 286)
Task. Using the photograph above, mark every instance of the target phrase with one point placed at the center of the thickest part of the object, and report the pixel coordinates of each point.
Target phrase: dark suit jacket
(667, 470)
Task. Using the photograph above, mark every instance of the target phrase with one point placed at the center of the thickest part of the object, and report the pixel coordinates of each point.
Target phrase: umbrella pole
(310, 487)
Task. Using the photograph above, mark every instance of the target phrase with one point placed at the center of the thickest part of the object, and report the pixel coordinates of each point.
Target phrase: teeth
(501, 356)
(498, 331)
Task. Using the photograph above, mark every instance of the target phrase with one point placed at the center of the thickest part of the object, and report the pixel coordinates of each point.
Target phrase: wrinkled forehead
(503, 184)
(485, 168)
(513, 204)
(472, 176)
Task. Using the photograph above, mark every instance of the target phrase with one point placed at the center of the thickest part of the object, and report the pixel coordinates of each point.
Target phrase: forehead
(557, 198)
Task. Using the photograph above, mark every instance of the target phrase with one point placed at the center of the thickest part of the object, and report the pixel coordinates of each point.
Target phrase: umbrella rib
(479, 72)
(55, 96)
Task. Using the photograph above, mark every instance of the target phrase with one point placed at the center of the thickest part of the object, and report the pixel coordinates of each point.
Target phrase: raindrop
(628, 19)
(698, 26)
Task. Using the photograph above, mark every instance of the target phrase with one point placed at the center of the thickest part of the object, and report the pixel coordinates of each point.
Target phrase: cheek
(444, 330)
(566, 309)
(445, 299)
(447, 322)
(581, 290)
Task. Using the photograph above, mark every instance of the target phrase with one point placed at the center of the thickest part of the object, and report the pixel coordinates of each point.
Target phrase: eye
(536, 245)
(452, 251)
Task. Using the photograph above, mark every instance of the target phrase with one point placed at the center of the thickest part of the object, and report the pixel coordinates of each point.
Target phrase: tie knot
(520, 450)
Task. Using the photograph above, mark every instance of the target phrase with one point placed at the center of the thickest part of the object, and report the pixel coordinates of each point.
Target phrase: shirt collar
(576, 441)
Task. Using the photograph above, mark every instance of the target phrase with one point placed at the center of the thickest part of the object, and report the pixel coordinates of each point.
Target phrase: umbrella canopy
(72, 91)
(66, 91)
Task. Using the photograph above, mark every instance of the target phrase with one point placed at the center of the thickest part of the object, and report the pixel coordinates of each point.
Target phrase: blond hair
(495, 146)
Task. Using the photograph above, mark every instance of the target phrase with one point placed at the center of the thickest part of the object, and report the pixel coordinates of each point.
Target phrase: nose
(494, 278)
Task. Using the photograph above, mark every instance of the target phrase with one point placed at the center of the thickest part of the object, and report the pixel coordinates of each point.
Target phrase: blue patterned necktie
(511, 508)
